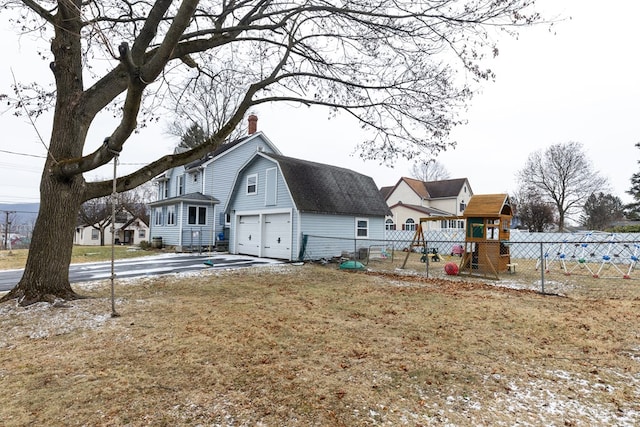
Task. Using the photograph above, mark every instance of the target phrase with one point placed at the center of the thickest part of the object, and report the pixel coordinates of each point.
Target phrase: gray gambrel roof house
(287, 208)
(322, 188)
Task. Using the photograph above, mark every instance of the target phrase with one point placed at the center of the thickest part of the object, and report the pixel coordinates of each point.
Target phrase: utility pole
(7, 224)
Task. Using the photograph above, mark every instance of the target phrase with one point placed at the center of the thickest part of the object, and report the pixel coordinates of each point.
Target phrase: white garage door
(277, 236)
(248, 235)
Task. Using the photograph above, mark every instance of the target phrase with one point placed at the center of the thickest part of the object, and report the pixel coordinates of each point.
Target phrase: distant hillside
(25, 213)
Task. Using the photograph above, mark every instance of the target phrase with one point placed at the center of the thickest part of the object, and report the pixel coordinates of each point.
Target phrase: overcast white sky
(580, 84)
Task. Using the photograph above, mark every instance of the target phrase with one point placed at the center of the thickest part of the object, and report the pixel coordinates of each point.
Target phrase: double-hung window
(171, 215)
(180, 185)
(362, 228)
(163, 190)
(252, 184)
(158, 216)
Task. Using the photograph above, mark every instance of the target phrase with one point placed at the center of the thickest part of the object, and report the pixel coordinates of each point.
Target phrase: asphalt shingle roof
(430, 189)
(221, 149)
(190, 197)
(445, 188)
(322, 188)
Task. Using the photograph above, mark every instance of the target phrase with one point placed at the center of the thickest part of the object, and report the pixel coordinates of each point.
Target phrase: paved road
(145, 266)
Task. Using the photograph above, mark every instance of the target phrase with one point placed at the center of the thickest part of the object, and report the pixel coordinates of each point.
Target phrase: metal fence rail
(197, 239)
(601, 265)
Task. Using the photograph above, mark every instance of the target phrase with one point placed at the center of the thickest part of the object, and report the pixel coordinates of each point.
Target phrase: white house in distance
(293, 209)
(411, 199)
(189, 211)
(129, 231)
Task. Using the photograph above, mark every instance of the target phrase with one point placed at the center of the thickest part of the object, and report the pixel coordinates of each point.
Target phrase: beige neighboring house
(411, 199)
(129, 231)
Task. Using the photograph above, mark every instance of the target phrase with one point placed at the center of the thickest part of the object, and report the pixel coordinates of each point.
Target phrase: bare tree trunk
(46, 274)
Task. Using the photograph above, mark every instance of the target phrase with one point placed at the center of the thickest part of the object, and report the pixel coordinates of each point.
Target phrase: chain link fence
(198, 239)
(581, 264)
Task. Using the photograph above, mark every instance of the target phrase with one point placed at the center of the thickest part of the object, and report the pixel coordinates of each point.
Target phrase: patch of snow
(42, 320)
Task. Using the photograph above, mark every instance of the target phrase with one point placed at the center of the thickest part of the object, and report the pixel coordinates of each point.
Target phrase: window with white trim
(180, 185)
(362, 228)
(409, 225)
(389, 224)
(197, 215)
(142, 233)
(95, 234)
(157, 216)
(171, 215)
(163, 190)
(252, 184)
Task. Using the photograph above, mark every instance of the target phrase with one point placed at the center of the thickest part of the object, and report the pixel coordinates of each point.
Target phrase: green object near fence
(352, 265)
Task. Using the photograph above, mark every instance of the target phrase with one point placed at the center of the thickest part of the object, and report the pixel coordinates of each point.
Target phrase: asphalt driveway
(145, 266)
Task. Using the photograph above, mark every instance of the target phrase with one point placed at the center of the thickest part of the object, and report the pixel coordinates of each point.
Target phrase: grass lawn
(18, 257)
(311, 345)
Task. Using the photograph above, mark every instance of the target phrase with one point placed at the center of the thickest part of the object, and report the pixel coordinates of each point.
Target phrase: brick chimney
(253, 124)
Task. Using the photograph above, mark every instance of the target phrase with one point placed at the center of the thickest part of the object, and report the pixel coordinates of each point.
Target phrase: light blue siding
(214, 178)
(170, 233)
(194, 181)
(332, 235)
(329, 235)
(196, 235)
(220, 174)
(242, 203)
(245, 202)
(173, 175)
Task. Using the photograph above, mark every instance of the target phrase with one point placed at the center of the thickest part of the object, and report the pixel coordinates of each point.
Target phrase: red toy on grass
(451, 268)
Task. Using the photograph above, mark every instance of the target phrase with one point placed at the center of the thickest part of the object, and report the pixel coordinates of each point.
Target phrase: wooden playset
(487, 222)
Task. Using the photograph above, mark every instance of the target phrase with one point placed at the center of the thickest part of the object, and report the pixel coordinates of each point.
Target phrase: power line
(44, 157)
(23, 154)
